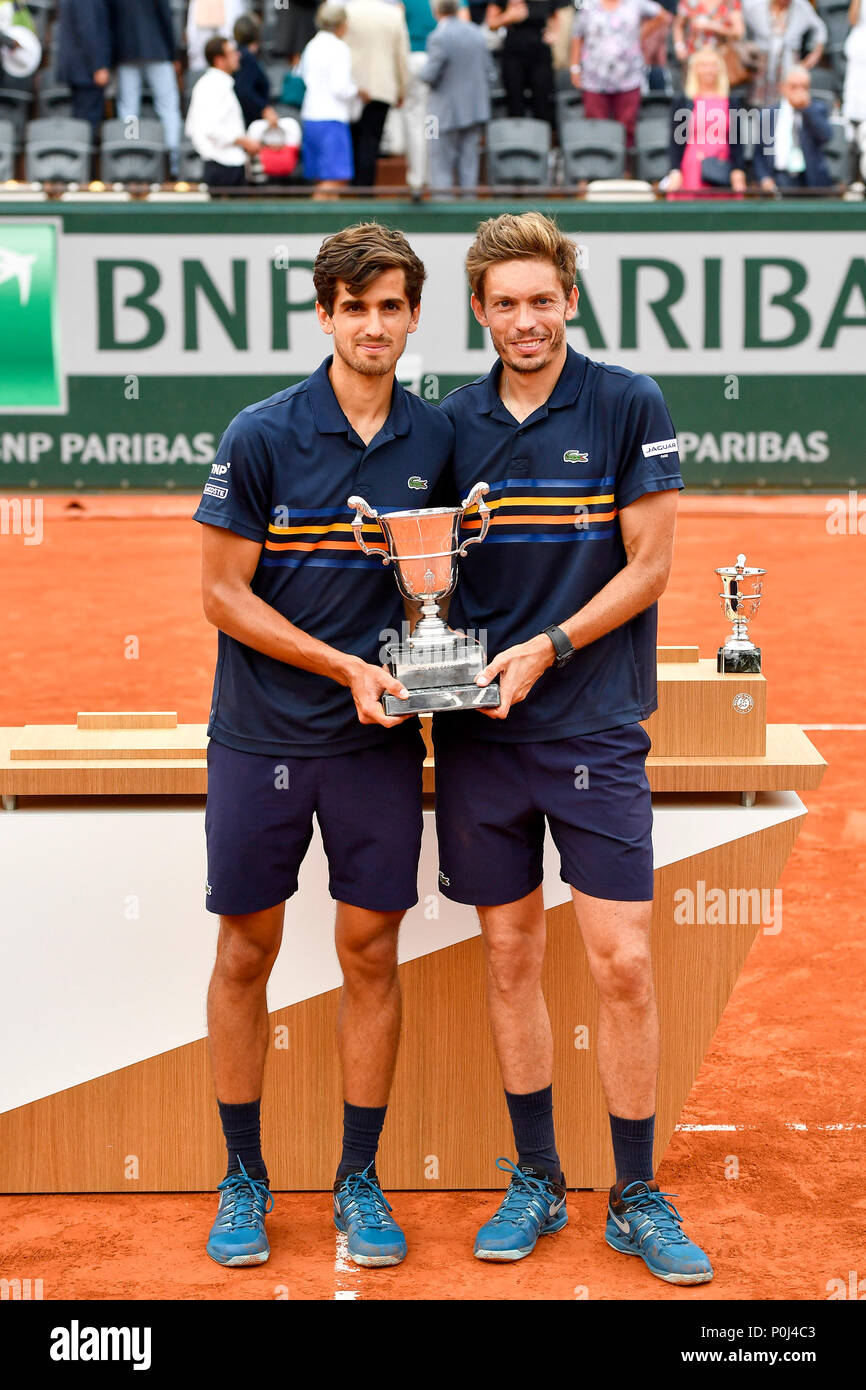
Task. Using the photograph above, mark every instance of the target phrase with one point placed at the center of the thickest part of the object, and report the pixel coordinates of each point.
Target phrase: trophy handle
(476, 496)
(363, 509)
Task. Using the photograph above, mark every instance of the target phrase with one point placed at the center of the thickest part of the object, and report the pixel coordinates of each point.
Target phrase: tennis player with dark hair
(583, 469)
(296, 725)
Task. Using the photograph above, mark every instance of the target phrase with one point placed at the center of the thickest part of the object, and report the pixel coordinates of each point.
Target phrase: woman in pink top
(706, 126)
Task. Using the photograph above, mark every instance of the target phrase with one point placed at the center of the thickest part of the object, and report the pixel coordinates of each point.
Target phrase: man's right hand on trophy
(367, 684)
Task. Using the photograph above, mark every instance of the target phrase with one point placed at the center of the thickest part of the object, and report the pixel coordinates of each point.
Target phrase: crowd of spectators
(423, 78)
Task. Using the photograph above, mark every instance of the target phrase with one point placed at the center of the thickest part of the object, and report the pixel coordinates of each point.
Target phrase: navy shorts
(259, 823)
(492, 801)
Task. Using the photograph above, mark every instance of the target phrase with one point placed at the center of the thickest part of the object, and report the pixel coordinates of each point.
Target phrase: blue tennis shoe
(533, 1206)
(362, 1211)
(238, 1235)
(642, 1221)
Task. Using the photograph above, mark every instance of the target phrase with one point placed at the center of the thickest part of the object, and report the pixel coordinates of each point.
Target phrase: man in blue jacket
(799, 128)
(84, 56)
(144, 47)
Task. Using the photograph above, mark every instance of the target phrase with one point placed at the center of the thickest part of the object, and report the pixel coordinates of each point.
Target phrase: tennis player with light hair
(583, 469)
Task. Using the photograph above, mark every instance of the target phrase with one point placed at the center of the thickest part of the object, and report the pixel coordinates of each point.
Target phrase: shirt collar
(565, 392)
(328, 413)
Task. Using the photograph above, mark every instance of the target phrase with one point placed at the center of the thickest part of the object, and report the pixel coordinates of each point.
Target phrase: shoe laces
(659, 1209)
(247, 1199)
(523, 1190)
(363, 1196)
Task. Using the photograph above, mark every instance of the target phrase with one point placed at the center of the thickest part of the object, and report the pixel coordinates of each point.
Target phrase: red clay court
(781, 1088)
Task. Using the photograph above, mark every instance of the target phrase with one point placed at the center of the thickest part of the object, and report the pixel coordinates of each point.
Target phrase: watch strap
(561, 644)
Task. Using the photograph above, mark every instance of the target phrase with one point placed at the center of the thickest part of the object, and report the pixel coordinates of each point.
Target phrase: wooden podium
(113, 1089)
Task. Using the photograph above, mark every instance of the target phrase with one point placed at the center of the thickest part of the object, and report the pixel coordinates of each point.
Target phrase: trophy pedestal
(739, 661)
(443, 697)
(438, 667)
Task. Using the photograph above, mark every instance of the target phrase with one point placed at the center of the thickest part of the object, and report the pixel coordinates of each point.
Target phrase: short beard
(528, 367)
(364, 366)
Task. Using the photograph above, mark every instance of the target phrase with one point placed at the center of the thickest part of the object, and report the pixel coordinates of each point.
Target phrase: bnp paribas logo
(31, 376)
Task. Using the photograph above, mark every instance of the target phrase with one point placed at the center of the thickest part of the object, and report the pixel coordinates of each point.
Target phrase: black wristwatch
(561, 645)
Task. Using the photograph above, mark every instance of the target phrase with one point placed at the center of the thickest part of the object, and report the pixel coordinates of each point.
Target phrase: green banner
(131, 334)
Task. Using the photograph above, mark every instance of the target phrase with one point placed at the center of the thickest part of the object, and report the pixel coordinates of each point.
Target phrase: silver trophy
(437, 665)
(741, 598)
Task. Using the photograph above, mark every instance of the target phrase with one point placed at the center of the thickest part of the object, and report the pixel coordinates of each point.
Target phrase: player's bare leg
(617, 940)
(640, 1220)
(237, 1013)
(514, 937)
(368, 1032)
(368, 1022)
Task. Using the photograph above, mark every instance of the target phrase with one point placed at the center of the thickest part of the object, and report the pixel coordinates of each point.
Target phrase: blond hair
(524, 236)
(690, 86)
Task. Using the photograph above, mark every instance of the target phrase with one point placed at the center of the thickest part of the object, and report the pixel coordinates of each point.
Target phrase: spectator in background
(84, 56)
(781, 29)
(854, 92)
(326, 67)
(143, 41)
(606, 59)
(215, 121)
(706, 24)
(207, 19)
(296, 25)
(420, 23)
(527, 63)
(704, 129)
(793, 157)
(252, 88)
(377, 35)
(458, 72)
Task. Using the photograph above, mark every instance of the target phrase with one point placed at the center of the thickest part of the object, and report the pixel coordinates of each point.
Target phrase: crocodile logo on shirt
(419, 484)
(575, 456)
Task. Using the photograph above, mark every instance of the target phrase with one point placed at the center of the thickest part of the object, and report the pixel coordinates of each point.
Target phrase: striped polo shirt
(283, 473)
(558, 480)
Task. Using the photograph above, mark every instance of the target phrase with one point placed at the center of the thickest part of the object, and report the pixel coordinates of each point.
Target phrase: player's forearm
(628, 593)
(241, 614)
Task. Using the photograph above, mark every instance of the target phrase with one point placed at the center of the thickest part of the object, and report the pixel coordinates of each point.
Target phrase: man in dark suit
(145, 47)
(791, 155)
(84, 56)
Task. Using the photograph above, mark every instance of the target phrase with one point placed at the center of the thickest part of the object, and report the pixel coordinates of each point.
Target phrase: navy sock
(362, 1126)
(532, 1122)
(242, 1129)
(633, 1148)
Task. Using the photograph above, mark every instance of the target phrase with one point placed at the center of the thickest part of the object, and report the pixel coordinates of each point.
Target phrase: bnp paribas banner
(130, 336)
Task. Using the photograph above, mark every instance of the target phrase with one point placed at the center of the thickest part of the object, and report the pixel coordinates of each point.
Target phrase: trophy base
(444, 697)
(734, 661)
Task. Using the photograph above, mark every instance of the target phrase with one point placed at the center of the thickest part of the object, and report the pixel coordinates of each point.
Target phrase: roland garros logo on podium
(31, 377)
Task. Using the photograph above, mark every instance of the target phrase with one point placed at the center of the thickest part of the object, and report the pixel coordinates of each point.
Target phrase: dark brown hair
(358, 255)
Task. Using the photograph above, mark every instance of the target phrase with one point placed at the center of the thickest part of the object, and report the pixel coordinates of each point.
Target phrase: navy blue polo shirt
(283, 473)
(558, 481)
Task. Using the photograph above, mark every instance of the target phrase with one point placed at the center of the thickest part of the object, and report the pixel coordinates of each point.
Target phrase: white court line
(789, 1124)
(343, 1266)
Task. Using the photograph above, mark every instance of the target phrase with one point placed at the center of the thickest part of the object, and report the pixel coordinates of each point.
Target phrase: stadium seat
(16, 101)
(8, 147)
(190, 165)
(826, 95)
(57, 149)
(839, 154)
(836, 20)
(126, 160)
(652, 148)
(569, 104)
(517, 151)
(592, 149)
(53, 98)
